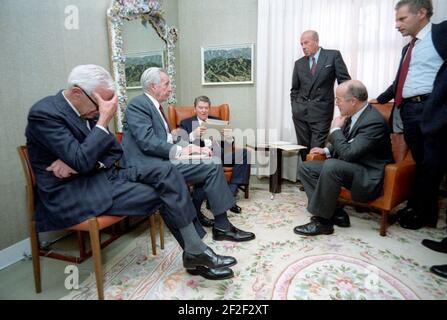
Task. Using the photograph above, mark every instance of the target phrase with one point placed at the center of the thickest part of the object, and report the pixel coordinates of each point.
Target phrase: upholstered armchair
(398, 175)
(178, 113)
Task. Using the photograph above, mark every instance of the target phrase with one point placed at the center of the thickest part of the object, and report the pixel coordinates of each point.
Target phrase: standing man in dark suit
(358, 151)
(147, 139)
(237, 159)
(419, 93)
(74, 158)
(312, 93)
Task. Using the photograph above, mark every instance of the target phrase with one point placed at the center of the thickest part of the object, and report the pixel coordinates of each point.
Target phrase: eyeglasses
(88, 96)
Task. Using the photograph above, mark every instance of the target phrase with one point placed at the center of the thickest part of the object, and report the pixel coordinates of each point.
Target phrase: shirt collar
(316, 55)
(200, 121)
(71, 105)
(357, 115)
(424, 32)
(154, 101)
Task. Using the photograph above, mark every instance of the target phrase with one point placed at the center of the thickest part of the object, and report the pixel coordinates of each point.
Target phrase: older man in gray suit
(312, 93)
(359, 150)
(74, 158)
(147, 139)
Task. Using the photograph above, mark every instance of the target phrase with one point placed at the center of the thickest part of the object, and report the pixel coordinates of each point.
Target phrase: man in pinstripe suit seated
(76, 163)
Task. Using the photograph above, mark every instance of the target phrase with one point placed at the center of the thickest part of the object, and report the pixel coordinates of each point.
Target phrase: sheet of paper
(195, 156)
(216, 124)
(290, 147)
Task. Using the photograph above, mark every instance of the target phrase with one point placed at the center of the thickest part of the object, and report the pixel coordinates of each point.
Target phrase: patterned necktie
(347, 127)
(403, 73)
(313, 69)
(164, 117)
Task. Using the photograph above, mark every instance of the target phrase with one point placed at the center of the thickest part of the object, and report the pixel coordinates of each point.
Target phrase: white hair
(89, 77)
(151, 76)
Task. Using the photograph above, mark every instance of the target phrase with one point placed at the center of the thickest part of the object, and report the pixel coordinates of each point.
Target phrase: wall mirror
(139, 37)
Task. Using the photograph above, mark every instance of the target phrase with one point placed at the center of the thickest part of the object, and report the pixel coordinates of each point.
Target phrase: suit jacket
(312, 97)
(144, 134)
(435, 113)
(368, 146)
(54, 132)
(434, 118)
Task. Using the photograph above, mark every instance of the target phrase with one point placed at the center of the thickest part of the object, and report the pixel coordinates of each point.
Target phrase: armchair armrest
(314, 157)
(396, 184)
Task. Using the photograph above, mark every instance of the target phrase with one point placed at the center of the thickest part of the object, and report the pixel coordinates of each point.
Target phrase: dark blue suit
(145, 142)
(238, 160)
(55, 132)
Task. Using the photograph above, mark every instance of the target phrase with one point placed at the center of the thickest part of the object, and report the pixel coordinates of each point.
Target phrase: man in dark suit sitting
(75, 161)
(237, 158)
(147, 139)
(358, 151)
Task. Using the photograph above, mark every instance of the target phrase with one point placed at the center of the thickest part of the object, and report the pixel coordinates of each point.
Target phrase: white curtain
(364, 32)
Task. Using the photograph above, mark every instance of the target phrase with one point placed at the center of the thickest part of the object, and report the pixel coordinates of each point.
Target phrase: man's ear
(422, 13)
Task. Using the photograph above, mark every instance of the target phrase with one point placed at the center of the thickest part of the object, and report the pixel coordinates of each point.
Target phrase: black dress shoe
(208, 258)
(314, 228)
(399, 214)
(204, 220)
(440, 270)
(439, 246)
(212, 274)
(340, 218)
(234, 234)
(236, 209)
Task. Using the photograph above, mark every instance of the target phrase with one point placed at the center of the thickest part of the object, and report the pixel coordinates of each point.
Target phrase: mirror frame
(149, 11)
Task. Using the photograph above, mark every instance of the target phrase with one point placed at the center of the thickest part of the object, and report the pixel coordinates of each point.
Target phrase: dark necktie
(403, 73)
(347, 127)
(91, 123)
(164, 117)
(313, 69)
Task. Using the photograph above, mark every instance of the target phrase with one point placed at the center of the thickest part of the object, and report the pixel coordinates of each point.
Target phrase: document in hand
(216, 124)
(194, 156)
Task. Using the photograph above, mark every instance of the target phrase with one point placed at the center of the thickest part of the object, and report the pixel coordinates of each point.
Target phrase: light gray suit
(145, 141)
(312, 97)
(358, 163)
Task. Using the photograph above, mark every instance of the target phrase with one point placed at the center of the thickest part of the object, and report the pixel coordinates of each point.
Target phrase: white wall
(216, 22)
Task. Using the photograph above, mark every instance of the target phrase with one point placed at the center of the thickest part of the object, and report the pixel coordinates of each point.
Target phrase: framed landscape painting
(230, 64)
(136, 63)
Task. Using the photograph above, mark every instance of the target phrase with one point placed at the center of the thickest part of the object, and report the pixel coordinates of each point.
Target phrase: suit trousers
(310, 134)
(209, 176)
(322, 181)
(430, 154)
(143, 190)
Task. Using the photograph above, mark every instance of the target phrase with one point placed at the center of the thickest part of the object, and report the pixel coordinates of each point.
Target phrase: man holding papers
(238, 158)
(147, 139)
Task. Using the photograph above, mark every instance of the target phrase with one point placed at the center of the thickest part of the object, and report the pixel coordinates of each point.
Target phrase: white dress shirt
(424, 65)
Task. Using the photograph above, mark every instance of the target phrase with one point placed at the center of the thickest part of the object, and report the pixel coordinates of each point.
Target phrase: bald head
(351, 97)
(310, 42)
(354, 89)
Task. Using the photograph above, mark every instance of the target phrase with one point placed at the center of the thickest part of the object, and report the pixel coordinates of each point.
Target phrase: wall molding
(15, 253)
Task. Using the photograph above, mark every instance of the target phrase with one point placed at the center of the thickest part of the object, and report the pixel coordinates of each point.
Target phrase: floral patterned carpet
(353, 263)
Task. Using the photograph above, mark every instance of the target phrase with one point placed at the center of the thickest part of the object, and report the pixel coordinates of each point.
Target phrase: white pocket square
(351, 140)
(328, 65)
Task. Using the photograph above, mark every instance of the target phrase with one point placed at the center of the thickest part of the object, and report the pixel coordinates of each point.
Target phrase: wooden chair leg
(246, 191)
(96, 252)
(383, 223)
(81, 244)
(152, 232)
(35, 256)
(162, 231)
